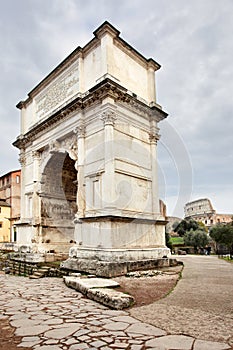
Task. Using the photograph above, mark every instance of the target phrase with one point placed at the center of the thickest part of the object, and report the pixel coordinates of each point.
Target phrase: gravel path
(201, 305)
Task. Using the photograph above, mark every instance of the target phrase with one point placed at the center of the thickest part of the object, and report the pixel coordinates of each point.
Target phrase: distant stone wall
(198, 207)
(202, 210)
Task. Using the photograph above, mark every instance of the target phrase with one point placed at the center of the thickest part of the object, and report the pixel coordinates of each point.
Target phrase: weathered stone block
(163, 262)
(108, 269)
(114, 299)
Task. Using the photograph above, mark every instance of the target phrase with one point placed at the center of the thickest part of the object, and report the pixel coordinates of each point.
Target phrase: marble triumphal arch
(88, 147)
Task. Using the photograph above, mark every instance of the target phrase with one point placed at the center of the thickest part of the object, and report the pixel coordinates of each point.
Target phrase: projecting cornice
(106, 88)
(81, 52)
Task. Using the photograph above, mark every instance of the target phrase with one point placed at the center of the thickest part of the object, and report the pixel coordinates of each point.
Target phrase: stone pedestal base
(118, 255)
(117, 262)
(123, 237)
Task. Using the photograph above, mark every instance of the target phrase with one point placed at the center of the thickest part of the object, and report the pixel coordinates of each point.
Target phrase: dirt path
(201, 305)
(8, 341)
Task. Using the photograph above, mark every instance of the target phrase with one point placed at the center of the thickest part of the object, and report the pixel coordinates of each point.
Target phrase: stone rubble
(147, 273)
(50, 316)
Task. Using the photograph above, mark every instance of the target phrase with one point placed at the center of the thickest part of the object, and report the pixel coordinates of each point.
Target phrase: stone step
(34, 277)
(44, 270)
(40, 272)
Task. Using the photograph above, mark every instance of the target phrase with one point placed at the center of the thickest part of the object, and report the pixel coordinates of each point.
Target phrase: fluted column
(109, 118)
(154, 137)
(22, 161)
(35, 197)
(79, 165)
(36, 160)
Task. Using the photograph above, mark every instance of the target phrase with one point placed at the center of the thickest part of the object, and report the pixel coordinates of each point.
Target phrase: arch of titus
(88, 155)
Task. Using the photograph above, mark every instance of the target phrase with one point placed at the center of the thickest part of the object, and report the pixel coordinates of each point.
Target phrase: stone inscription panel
(59, 91)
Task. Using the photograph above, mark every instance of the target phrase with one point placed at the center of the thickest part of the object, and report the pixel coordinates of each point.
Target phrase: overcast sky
(192, 40)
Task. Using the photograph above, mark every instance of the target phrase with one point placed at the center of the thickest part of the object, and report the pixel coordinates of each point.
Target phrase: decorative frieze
(134, 104)
(107, 88)
(57, 210)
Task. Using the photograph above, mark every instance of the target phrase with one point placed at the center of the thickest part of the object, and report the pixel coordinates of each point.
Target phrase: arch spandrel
(66, 146)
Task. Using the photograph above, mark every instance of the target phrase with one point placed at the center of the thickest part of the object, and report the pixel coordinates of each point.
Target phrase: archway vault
(58, 199)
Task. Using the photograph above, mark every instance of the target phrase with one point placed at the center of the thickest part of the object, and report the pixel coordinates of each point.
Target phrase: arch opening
(58, 201)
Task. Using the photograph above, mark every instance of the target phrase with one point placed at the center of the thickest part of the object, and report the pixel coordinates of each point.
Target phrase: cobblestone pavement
(50, 316)
(200, 306)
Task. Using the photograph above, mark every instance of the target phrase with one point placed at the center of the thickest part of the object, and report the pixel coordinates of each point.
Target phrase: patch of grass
(228, 259)
(177, 240)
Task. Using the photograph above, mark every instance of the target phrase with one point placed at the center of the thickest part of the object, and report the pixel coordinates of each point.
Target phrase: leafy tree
(196, 239)
(202, 226)
(186, 225)
(223, 234)
(168, 240)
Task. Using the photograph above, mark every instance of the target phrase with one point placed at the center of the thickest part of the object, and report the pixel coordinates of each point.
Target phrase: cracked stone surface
(50, 316)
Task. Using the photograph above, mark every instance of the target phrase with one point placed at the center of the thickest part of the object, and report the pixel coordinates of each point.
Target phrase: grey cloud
(190, 39)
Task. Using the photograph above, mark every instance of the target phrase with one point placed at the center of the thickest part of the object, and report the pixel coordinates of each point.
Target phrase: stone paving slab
(66, 320)
(31, 330)
(209, 345)
(145, 329)
(174, 342)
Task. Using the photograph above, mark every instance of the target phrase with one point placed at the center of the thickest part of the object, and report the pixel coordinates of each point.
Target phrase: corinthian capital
(154, 137)
(22, 158)
(36, 154)
(109, 118)
(80, 131)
